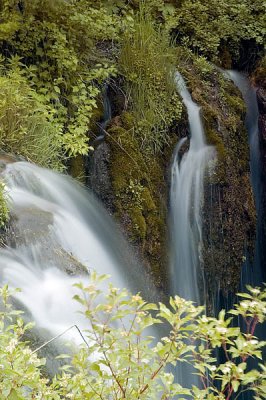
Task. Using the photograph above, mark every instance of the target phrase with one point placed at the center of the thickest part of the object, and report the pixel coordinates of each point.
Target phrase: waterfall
(186, 198)
(252, 274)
(59, 232)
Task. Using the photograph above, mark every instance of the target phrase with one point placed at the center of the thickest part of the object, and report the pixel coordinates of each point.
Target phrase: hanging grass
(25, 129)
(147, 62)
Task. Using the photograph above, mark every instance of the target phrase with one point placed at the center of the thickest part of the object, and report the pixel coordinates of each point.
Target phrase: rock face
(229, 216)
(261, 97)
(31, 227)
(134, 188)
(98, 175)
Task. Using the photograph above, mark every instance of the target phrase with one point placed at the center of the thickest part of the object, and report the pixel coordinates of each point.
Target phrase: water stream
(59, 233)
(252, 273)
(186, 197)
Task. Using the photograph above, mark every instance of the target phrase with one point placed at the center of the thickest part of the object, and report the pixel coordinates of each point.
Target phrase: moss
(140, 194)
(235, 103)
(258, 76)
(139, 223)
(77, 168)
(97, 116)
(225, 58)
(127, 120)
(215, 140)
(148, 203)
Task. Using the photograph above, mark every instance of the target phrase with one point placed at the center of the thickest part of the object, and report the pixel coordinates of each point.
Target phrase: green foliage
(56, 45)
(207, 26)
(123, 360)
(66, 49)
(4, 211)
(147, 63)
(20, 376)
(24, 124)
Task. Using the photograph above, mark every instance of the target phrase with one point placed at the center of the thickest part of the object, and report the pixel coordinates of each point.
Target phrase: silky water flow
(186, 199)
(59, 233)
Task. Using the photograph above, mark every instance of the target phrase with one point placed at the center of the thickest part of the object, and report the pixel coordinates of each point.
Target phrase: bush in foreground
(121, 360)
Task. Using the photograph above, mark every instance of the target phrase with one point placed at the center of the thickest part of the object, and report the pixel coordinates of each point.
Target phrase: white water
(70, 221)
(186, 200)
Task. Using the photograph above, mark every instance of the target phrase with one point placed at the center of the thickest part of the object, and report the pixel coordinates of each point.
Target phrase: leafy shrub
(122, 360)
(205, 26)
(56, 45)
(25, 128)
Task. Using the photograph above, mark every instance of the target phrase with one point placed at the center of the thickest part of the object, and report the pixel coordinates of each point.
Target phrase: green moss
(140, 193)
(138, 223)
(147, 201)
(97, 116)
(235, 102)
(4, 210)
(259, 74)
(77, 168)
(127, 120)
(215, 140)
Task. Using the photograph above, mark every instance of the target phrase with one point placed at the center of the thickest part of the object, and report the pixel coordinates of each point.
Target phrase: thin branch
(58, 336)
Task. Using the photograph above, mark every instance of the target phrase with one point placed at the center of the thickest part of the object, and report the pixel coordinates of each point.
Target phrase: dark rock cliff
(259, 78)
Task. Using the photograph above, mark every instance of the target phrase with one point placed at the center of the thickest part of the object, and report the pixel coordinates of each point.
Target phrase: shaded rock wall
(259, 78)
(229, 216)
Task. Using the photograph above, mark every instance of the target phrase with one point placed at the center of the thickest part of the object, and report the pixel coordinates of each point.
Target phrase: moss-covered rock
(229, 217)
(77, 168)
(140, 190)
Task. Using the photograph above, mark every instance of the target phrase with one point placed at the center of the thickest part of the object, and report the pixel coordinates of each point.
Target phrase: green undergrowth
(4, 211)
(24, 129)
(147, 64)
(55, 50)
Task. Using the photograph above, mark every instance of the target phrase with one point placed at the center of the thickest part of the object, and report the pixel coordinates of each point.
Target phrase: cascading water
(252, 274)
(185, 214)
(186, 202)
(59, 229)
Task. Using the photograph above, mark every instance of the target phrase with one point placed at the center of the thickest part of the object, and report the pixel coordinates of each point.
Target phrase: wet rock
(99, 176)
(33, 228)
(262, 129)
(261, 97)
